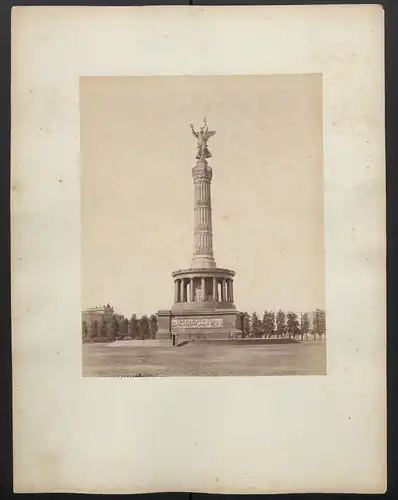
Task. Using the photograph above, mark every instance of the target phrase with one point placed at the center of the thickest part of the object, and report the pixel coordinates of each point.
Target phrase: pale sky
(137, 152)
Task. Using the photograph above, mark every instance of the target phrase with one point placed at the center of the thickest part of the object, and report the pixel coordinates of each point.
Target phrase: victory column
(203, 294)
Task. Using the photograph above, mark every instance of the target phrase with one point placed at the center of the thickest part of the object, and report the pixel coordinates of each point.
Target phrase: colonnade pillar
(215, 290)
(191, 289)
(231, 290)
(185, 290)
(176, 290)
(181, 290)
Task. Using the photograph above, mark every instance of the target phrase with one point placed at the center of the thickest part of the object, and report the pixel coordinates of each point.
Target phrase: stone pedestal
(164, 325)
(218, 324)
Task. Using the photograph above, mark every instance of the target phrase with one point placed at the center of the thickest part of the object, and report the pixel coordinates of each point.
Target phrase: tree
(272, 323)
(153, 326)
(133, 327)
(305, 326)
(245, 324)
(268, 324)
(280, 324)
(322, 323)
(256, 326)
(292, 324)
(319, 323)
(113, 327)
(103, 328)
(84, 329)
(94, 329)
(143, 327)
(124, 328)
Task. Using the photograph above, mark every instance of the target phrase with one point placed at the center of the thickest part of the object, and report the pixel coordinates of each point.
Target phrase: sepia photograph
(202, 226)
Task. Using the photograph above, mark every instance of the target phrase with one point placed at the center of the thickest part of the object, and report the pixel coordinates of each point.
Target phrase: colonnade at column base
(203, 285)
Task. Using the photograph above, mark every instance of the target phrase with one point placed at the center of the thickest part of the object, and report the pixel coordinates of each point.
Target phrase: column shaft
(203, 289)
(191, 289)
(176, 291)
(215, 298)
(181, 290)
(203, 241)
(185, 290)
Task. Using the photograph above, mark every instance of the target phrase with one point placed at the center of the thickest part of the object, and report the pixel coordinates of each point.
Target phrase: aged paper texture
(102, 206)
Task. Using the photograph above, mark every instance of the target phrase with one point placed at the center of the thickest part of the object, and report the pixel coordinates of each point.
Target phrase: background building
(97, 314)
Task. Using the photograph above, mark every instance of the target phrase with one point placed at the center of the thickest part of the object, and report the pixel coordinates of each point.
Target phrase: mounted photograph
(202, 226)
(198, 235)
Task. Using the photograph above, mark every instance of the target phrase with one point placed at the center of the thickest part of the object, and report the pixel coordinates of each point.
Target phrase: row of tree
(285, 325)
(119, 327)
(279, 325)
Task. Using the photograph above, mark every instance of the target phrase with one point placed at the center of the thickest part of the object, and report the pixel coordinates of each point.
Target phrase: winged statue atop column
(202, 136)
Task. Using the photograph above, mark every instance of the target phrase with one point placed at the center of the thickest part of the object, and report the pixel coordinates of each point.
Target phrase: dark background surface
(391, 46)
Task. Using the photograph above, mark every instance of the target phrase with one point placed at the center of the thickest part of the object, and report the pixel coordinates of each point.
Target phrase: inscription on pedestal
(197, 323)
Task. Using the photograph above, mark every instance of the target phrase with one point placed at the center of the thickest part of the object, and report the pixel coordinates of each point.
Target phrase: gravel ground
(160, 359)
